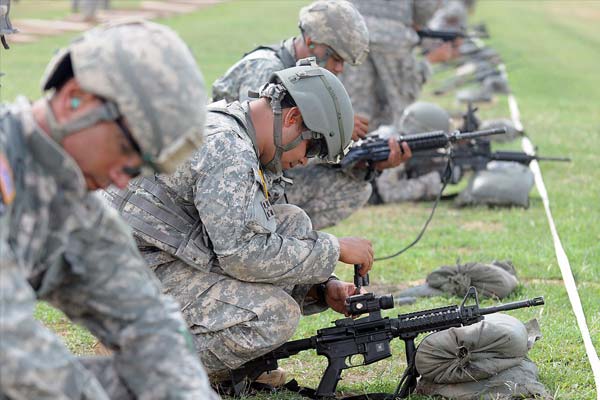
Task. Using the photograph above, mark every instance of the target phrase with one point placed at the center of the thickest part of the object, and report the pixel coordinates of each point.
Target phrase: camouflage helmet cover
(152, 78)
(339, 25)
(424, 117)
(324, 104)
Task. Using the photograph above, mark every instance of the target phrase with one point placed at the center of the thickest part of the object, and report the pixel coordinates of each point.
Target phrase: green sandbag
(518, 382)
(474, 352)
(497, 279)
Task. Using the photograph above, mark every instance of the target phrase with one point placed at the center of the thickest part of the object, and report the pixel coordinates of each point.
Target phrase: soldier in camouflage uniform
(391, 77)
(245, 269)
(335, 33)
(452, 16)
(394, 185)
(331, 31)
(101, 122)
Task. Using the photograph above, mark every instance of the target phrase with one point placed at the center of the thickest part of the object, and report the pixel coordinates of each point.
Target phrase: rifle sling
(293, 386)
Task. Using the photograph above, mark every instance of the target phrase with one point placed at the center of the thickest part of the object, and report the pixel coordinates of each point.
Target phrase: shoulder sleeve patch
(7, 187)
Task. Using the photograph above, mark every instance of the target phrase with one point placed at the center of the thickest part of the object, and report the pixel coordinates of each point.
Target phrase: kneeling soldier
(243, 268)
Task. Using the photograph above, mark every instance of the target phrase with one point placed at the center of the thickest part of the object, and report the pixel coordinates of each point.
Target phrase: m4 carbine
(472, 156)
(483, 71)
(449, 36)
(370, 338)
(375, 149)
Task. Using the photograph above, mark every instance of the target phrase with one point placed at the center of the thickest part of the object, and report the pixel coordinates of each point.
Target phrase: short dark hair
(62, 73)
(288, 101)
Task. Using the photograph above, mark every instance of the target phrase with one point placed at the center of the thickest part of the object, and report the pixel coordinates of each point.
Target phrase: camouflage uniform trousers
(326, 194)
(394, 187)
(55, 370)
(384, 84)
(234, 321)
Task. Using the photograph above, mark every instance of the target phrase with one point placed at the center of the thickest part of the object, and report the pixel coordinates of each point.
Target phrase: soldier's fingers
(364, 269)
(360, 130)
(406, 151)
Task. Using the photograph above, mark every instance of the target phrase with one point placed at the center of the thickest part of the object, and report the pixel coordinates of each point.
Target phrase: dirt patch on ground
(588, 11)
(483, 226)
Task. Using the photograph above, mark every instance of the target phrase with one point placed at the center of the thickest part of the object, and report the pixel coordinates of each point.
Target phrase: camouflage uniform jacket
(254, 70)
(62, 244)
(391, 21)
(223, 181)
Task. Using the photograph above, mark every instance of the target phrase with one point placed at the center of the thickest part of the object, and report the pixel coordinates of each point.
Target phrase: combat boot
(275, 378)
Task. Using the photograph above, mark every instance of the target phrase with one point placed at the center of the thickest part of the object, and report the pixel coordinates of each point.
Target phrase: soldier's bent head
(118, 106)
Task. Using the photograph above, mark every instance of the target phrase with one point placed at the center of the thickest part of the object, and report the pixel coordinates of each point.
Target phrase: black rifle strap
(445, 179)
(293, 386)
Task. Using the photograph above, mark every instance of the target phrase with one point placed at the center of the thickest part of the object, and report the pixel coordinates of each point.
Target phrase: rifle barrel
(536, 301)
(477, 134)
(561, 159)
(523, 158)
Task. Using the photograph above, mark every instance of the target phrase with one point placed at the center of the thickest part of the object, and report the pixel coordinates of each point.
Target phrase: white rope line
(561, 256)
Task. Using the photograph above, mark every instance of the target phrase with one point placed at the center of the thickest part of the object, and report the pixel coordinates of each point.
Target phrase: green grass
(551, 50)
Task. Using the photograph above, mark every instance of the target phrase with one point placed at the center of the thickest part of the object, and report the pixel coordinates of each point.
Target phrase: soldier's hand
(361, 127)
(440, 54)
(354, 250)
(397, 155)
(336, 293)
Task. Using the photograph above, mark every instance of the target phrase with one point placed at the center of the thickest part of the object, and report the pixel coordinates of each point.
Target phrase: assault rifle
(482, 72)
(471, 56)
(375, 149)
(370, 338)
(449, 36)
(472, 156)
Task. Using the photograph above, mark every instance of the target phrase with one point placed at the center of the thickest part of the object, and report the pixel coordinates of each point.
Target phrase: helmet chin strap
(107, 111)
(322, 61)
(276, 93)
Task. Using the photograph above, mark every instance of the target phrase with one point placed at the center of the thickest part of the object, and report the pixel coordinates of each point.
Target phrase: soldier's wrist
(322, 289)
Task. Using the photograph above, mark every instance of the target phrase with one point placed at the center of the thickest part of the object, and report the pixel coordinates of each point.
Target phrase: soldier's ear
(293, 117)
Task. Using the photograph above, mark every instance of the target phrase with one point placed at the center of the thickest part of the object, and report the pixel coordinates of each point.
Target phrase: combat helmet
(339, 25)
(324, 104)
(424, 117)
(146, 75)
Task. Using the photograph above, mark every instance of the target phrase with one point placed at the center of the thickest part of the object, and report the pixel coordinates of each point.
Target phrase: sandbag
(497, 279)
(477, 94)
(511, 131)
(420, 291)
(503, 183)
(518, 382)
(474, 352)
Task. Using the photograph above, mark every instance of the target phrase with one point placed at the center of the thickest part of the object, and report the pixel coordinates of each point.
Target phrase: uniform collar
(49, 154)
(288, 45)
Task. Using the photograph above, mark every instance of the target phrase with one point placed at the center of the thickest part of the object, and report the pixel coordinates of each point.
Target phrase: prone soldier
(101, 123)
(394, 185)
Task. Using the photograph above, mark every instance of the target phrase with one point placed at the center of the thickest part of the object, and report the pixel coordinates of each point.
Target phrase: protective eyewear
(148, 167)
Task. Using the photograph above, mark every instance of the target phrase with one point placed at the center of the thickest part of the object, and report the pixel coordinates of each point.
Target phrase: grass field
(551, 51)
